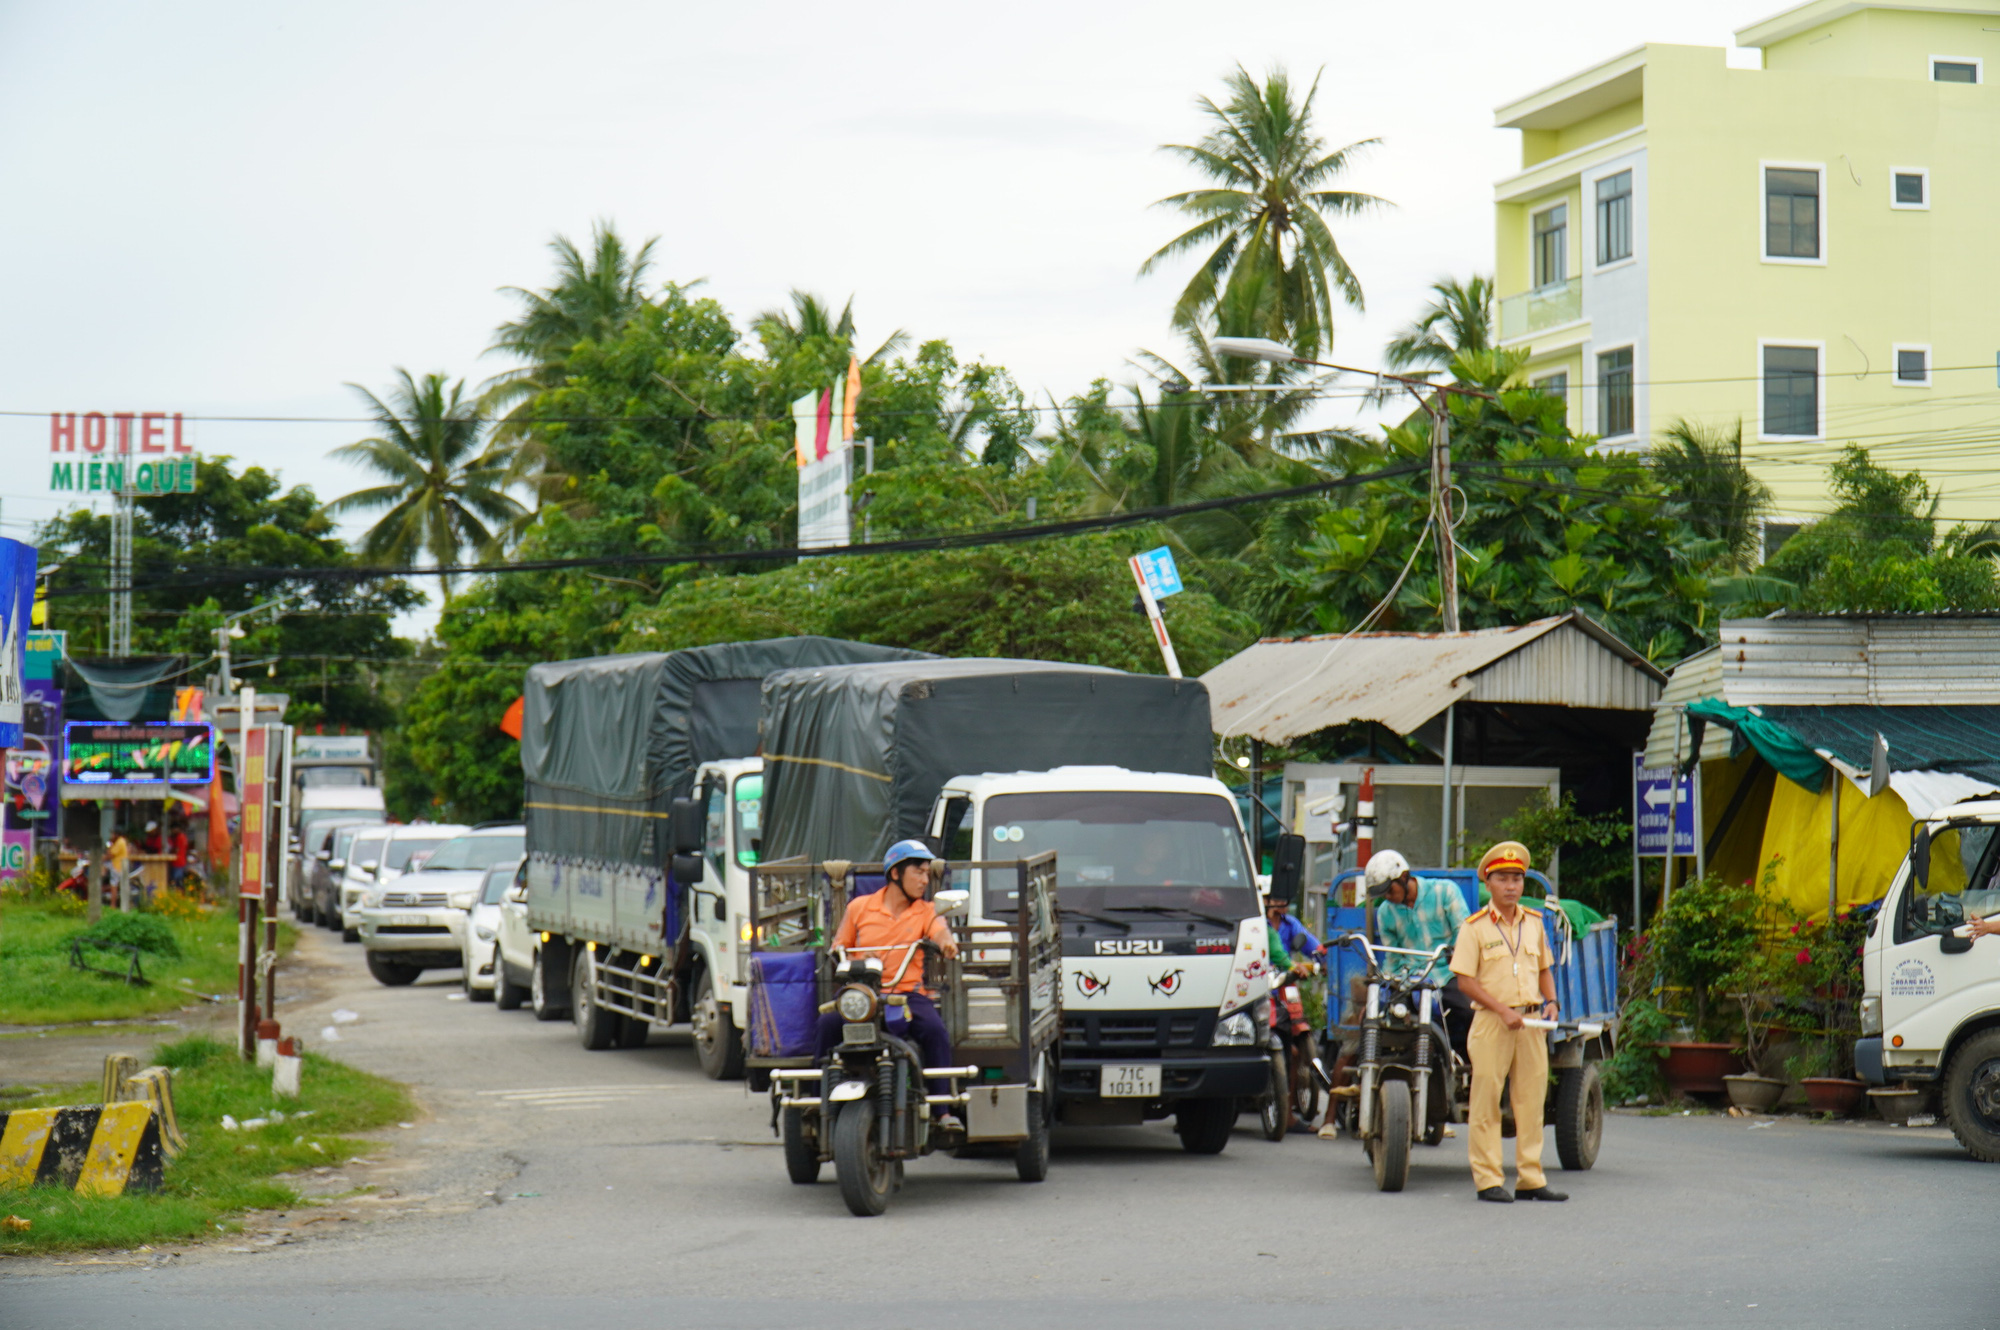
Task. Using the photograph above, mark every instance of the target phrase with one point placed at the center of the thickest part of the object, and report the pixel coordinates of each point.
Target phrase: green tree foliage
(328, 642)
(1708, 930)
(1595, 851)
(1458, 321)
(1703, 472)
(1265, 213)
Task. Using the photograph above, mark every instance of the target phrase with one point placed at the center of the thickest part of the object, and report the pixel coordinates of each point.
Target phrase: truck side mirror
(1288, 869)
(687, 868)
(687, 828)
(1920, 855)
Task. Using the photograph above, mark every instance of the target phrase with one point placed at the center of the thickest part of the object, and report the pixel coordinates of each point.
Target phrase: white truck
(1930, 1010)
(1166, 963)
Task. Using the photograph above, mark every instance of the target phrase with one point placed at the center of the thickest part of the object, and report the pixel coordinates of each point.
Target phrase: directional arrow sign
(1653, 794)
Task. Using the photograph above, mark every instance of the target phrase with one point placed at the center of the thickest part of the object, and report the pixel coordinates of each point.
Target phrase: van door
(1927, 991)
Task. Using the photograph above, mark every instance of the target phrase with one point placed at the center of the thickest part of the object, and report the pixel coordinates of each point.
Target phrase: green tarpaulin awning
(1943, 738)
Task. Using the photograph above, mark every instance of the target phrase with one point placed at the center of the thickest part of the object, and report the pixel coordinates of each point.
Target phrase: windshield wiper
(1174, 909)
(1092, 914)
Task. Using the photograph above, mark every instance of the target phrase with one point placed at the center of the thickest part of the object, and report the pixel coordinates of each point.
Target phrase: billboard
(17, 596)
(109, 754)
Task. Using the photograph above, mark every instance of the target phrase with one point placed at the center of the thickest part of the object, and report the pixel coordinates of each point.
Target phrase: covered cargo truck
(607, 743)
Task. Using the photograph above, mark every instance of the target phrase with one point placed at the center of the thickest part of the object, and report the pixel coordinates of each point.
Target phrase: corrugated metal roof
(1279, 690)
(1899, 660)
(1699, 676)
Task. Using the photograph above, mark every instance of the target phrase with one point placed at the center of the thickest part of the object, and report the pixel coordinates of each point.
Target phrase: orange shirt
(869, 923)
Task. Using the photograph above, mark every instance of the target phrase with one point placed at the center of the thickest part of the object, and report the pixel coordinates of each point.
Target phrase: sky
(235, 209)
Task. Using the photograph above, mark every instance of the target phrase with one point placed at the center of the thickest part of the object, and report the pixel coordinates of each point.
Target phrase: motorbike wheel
(1391, 1154)
(718, 1045)
(801, 1149)
(866, 1177)
(1274, 1111)
(1579, 1116)
(1304, 1086)
(1031, 1157)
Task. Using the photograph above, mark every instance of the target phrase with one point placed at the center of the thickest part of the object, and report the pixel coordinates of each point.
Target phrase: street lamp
(232, 630)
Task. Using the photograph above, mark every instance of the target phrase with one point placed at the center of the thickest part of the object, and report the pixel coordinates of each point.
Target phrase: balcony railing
(1546, 307)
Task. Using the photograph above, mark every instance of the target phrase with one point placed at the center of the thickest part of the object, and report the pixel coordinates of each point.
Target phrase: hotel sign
(120, 452)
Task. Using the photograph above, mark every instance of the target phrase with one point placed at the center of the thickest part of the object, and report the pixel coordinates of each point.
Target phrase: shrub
(147, 932)
(1708, 931)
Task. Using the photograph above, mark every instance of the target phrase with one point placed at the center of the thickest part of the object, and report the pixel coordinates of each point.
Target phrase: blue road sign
(1163, 579)
(1652, 795)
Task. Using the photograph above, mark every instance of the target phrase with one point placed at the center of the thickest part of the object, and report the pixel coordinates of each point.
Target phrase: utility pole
(1442, 515)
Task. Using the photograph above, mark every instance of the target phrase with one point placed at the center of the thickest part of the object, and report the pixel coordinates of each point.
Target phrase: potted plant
(1708, 932)
(1749, 1089)
(1828, 963)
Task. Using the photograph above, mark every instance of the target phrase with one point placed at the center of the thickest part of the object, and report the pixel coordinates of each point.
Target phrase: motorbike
(1411, 1081)
(1297, 1074)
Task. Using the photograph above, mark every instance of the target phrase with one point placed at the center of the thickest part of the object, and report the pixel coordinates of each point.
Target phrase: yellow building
(1808, 248)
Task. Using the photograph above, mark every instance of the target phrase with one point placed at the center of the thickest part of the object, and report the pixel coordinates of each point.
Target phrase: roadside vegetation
(222, 1173)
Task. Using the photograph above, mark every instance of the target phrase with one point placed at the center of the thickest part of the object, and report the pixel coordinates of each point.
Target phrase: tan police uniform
(1507, 960)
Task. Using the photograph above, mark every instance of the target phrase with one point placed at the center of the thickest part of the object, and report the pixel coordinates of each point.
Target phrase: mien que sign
(109, 453)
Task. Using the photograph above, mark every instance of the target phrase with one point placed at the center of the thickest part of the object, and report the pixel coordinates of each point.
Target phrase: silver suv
(416, 921)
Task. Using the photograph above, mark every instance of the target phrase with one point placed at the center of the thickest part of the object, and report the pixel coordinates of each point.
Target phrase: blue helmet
(902, 852)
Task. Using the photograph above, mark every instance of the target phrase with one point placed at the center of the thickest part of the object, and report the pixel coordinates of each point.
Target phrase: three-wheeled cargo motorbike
(871, 1107)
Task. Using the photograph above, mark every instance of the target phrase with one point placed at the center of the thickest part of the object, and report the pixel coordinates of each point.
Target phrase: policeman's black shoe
(1543, 1193)
(1499, 1195)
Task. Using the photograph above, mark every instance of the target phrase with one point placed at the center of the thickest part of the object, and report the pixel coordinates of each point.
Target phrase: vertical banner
(805, 419)
(17, 851)
(17, 599)
(850, 401)
(252, 793)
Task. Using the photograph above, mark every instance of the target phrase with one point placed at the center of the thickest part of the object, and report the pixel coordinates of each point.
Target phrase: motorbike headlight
(1235, 1030)
(1401, 1011)
(856, 1004)
(484, 932)
(1871, 1014)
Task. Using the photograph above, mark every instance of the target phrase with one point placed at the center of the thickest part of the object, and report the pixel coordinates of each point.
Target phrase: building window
(1955, 69)
(1552, 246)
(1614, 218)
(1791, 213)
(1791, 391)
(1909, 187)
(1614, 393)
(1555, 385)
(1913, 366)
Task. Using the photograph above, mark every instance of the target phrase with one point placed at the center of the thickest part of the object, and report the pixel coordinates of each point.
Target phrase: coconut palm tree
(1702, 469)
(1459, 319)
(1267, 211)
(446, 492)
(810, 317)
(593, 298)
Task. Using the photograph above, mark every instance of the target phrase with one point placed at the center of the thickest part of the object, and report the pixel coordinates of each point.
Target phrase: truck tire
(801, 1149)
(507, 995)
(1031, 1156)
(1972, 1095)
(866, 1177)
(388, 972)
(1391, 1155)
(596, 1028)
(717, 1041)
(1274, 1110)
(544, 1002)
(1579, 1116)
(1204, 1125)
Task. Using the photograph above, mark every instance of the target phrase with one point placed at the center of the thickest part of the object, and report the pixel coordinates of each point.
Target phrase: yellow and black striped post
(93, 1149)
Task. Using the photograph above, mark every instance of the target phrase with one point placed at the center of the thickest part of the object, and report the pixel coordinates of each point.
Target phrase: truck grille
(404, 900)
(1136, 1035)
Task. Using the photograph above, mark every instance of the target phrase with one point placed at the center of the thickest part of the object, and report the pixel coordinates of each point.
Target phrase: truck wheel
(1274, 1110)
(1391, 1154)
(1972, 1095)
(801, 1149)
(1579, 1116)
(1031, 1157)
(507, 995)
(1204, 1125)
(596, 1028)
(390, 973)
(866, 1177)
(717, 1041)
(547, 1005)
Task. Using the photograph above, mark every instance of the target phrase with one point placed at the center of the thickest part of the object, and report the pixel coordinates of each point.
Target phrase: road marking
(572, 1097)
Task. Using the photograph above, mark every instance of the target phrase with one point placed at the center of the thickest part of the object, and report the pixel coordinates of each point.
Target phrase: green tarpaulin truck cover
(855, 755)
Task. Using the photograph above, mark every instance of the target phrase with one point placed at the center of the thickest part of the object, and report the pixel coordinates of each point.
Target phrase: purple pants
(922, 1027)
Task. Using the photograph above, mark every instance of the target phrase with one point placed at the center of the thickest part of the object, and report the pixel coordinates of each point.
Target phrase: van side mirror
(1920, 855)
(1288, 869)
(687, 868)
(687, 826)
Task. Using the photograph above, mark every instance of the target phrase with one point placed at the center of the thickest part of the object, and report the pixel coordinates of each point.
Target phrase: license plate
(407, 920)
(1140, 1081)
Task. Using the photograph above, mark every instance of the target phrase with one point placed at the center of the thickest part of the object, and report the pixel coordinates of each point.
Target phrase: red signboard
(253, 793)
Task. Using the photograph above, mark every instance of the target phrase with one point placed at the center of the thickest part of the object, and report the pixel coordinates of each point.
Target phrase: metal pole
(1833, 852)
(1700, 841)
(1673, 812)
(120, 644)
(1441, 501)
(1256, 808)
(1445, 856)
(246, 907)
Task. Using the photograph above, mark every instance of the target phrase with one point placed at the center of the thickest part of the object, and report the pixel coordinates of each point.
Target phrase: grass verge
(221, 1173)
(39, 986)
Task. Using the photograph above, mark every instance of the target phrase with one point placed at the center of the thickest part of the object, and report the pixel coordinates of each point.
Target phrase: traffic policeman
(1502, 963)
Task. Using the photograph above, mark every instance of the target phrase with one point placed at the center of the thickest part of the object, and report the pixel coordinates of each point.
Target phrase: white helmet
(1384, 867)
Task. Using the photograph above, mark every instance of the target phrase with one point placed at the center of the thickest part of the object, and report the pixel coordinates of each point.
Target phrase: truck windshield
(319, 778)
(1124, 850)
(1964, 883)
(749, 818)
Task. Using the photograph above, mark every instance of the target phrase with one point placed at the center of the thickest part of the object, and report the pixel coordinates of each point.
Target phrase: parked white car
(514, 969)
(482, 929)
(407, 923)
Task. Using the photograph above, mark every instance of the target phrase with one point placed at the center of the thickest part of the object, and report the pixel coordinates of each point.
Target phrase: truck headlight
(1235, 1030)
(1871, 1014)
(856, 1004)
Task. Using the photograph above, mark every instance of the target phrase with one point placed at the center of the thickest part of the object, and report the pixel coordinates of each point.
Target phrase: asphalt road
(552, 1186)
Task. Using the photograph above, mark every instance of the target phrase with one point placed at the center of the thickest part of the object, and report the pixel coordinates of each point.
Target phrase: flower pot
(1896, 1103)
(1699, 1068)
(1754, 1094)
(1833, 1094)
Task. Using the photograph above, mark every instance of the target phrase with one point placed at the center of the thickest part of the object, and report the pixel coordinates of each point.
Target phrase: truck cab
(1930, 1009)
(1165, 949)
(731, 795)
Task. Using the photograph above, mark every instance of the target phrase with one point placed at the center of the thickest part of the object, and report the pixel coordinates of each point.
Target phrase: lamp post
(231, 630)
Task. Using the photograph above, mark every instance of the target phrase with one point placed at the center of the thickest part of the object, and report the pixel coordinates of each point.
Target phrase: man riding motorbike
(1421, 914)
(887, 925)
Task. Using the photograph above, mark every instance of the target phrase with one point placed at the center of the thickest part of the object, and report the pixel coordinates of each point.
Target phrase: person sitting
(887, 925)
(1420, 914)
